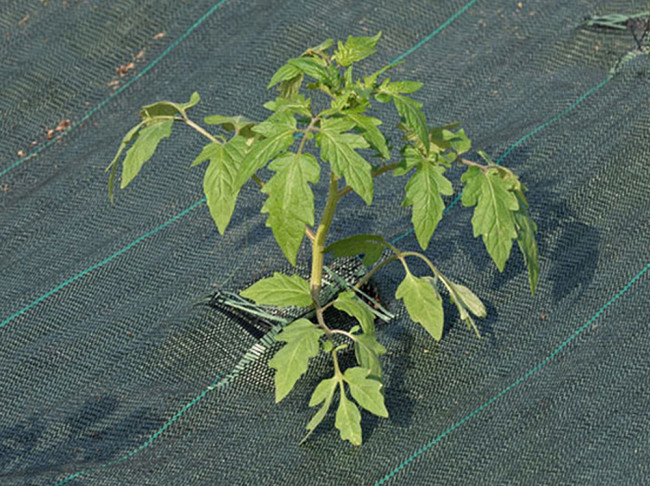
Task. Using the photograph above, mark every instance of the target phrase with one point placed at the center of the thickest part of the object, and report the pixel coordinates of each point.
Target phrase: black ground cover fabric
(110, 376)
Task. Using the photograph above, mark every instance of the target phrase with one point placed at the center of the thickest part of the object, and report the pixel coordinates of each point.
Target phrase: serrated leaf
(322, 47)
(351, 305)
(143, 148)
(490, 191)
(292, 360)
(355, 49)
(403, 87)
(423, 192)
(290, 205)
(324, 392)
(314, 67)
(423, 304)
(366, 390)
(280, 290)
(526, 229)
(371, 245)
(168, 108)
(219, 181)
(411, 112)
(285, 73)
(367, 125)
(291, 87)
(338, 149)
(297, 104)
(367, 351)
(128, 138)
(348, 420)
(278, 133)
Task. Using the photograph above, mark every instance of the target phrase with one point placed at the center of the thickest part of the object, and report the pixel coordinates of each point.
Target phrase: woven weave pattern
(109, 374)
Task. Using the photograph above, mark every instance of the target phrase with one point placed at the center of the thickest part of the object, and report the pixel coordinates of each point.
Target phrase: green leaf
(403, 87)
(423, 192)
(143, 148)
(168, 108)
(322, 47)
(355, 49)
(238, 124)
(366, 390)
(291, 87)
(466, 301)
(285, 73)
(338, 149)
(367, 125)
(128, 138)
(526, 229)
(491, 192)
(314, 67)
(423, 304)
(411, 112)
(324, 392)
(280, 290)
(219, 182)
(278, 131)
(290, 205)
(297, 104)
(371, 245)
(367, 351)
(351, 305)
(292, 360)
(348, 420)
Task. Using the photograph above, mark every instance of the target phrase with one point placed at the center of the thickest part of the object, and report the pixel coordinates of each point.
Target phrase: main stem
(318, 245)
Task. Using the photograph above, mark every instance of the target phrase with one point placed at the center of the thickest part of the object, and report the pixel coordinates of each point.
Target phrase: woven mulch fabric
(109, 375)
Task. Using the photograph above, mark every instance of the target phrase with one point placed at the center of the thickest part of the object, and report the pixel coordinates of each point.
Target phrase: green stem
(318, 246)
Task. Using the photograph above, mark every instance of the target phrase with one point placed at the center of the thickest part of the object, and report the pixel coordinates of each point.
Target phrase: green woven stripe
(117, 92)
(528, 374)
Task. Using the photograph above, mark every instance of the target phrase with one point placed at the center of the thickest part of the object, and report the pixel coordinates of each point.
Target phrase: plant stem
(318, 244)
(473, 164)
(213, 139)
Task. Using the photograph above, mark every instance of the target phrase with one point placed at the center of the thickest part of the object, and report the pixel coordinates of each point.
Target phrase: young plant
(341, 126)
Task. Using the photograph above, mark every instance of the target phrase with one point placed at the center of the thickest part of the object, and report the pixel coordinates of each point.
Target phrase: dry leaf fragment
(124, 69)
(21, 154)
(159, 35)
(24, 20)
(50, 134)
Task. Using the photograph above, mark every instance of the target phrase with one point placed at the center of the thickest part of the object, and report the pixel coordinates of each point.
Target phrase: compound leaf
(278, 132)
(290, 205)
(366, 390)
(297, 104)
(280, 290)
(491, 192)
(411, 112)
(143, 148)
(355, 49)
(423, 192)
(423, 304)
(219, 182)
(466, 301)
(292, 360)
(348, 420)
(338, 149)
(351, 305)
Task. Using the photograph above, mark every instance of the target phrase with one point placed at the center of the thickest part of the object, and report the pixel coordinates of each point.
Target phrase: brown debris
(24, 20)
(5, 188)
(63, 125)
(21, 153)
(124, 69)
(140, 55)
(159, 35)
(113, 84)
(50, 134)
